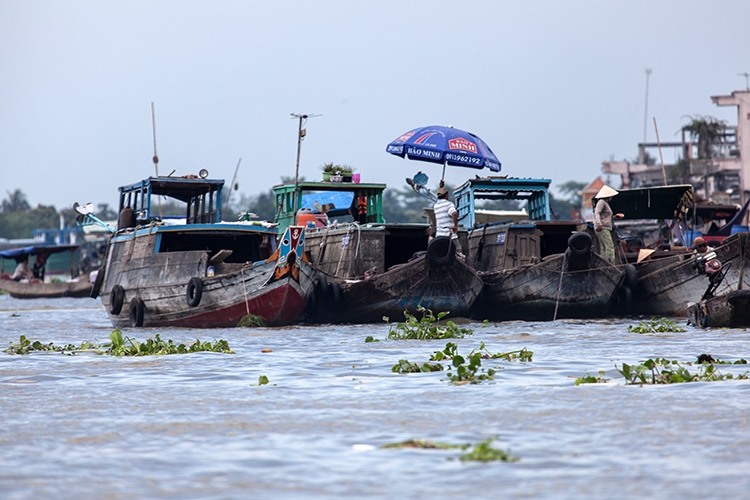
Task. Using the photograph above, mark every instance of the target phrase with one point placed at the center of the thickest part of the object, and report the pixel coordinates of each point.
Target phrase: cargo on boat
(369, 268)
(197, 270)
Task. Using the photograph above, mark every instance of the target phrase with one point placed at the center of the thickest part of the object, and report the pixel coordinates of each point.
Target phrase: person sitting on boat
(446, 217)
(701, 246)
(22, 270)
(603, 222)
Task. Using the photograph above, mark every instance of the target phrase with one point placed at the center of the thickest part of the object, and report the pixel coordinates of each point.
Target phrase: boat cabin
(361, 240)
(199, 228)
(503, 239)
(344, 201)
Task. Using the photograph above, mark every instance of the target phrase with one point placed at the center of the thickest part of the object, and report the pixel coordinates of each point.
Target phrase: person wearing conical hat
(603, 222)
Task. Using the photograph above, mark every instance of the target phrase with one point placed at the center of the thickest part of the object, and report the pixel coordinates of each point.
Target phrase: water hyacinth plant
(121, 346)
(426, 328)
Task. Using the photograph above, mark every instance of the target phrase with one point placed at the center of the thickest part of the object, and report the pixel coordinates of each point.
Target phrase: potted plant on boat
(346, 172)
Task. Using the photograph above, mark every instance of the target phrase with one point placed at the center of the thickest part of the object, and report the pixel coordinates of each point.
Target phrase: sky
(554, 87)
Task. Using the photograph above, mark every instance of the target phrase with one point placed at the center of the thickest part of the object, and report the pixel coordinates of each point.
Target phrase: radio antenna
(153, 126)
(301, 133)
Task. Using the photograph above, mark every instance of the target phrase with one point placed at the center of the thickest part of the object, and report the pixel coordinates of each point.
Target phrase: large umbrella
(446, 145)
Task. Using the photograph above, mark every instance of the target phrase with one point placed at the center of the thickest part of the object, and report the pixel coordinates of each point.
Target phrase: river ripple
(198, 426)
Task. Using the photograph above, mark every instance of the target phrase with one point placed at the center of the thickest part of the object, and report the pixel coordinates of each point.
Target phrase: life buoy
(194, 292)
(580, 243)
(136, 313)
(116, 297)
(441, 252)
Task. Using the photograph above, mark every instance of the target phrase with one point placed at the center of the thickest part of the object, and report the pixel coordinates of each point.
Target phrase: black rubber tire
(194, 292)
(626, 300)
(631, 276)
(441, 252)
(136, 313)
(335, 295)
(580, 243)
(98, 282)
(116, 298)
(737, 296)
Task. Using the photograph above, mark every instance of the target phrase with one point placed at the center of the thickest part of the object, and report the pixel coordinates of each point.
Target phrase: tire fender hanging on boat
(136, 313)
(116, 297)
(441, 252)
(580, 243)
(194, 292)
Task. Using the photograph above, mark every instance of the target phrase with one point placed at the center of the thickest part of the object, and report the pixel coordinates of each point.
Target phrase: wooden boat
(673, 276)
(536, 269)
(731, 310)
(667, 285)
(199, 271)
(36, 286)
(369, 269)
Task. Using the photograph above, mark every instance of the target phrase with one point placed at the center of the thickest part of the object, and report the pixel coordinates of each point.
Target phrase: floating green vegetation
(484, 452)
(656, 326)
(121, 346)
(426, 328)
(262, 380)
(404, 366)
(370, 338)
(666, 371)
(251, 321)
(590, 379)
(425, 444)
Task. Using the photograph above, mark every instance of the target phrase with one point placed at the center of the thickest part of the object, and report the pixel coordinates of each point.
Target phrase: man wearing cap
(603, 222)
(700, 246)
(446, 217)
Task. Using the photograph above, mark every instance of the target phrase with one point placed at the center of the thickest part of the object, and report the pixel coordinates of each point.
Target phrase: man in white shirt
(446, 217)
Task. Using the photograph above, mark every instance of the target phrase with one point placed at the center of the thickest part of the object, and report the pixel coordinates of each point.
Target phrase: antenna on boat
(153, 127)
(156, 158)
(645, 111)
(232, 186)
(301, 133)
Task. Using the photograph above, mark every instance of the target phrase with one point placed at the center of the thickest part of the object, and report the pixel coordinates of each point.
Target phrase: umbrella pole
(443, 177)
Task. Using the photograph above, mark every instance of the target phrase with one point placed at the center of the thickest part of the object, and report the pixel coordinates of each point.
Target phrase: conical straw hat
(643, 253)
(606, 192)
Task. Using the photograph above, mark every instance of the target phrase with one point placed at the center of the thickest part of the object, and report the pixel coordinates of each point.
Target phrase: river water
(198, 426)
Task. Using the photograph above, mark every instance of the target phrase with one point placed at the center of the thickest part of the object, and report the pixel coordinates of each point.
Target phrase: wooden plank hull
(39, 290)
(453, 289)
(533, 292)
(225, 300)
(174, 288)
(731, 310)
(667, 288)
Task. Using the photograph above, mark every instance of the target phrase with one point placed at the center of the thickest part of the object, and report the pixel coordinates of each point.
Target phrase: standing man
(446, 217)
(603, 222)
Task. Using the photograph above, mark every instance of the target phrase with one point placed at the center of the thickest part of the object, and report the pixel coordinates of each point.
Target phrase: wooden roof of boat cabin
(534, 191)
(202, 196)
(659, 202)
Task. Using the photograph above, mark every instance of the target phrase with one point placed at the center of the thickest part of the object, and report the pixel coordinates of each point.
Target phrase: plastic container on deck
(305, 216)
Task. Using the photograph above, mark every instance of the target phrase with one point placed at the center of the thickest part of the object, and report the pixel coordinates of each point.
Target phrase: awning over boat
(15, 253)
(663, 202)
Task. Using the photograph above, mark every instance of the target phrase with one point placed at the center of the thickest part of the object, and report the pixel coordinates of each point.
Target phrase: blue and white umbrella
(446, 145)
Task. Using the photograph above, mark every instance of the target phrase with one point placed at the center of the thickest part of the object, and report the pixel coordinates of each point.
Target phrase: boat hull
(541, 292)
(39, 290)
(667, 288)
(406, 287)
(731, 310)
(190, 288)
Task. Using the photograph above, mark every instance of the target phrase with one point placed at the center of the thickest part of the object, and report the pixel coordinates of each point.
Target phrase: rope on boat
(559, 285)
(244, 289)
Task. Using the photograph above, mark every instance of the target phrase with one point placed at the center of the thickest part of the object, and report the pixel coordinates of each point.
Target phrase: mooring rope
(559, 285)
